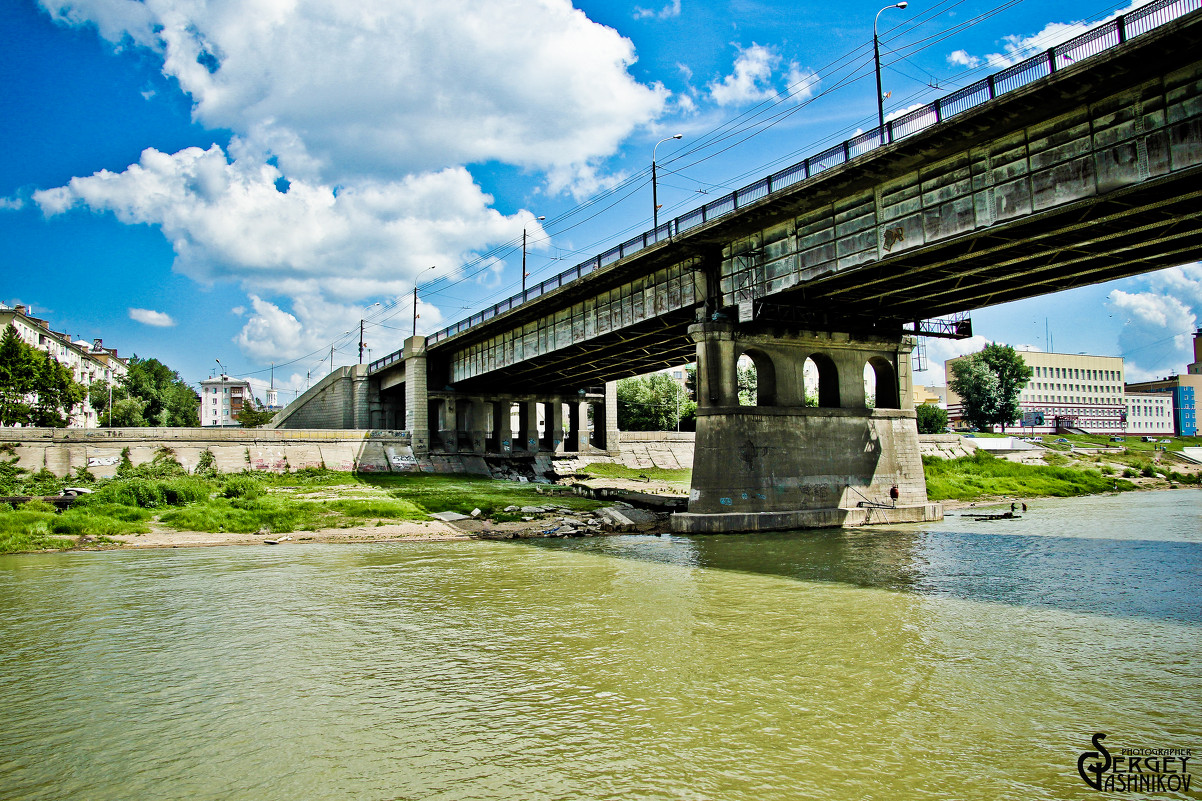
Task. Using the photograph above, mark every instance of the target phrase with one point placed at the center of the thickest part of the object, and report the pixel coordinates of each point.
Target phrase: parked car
(1061, 439)
(1147, 439)
(1168, 441)
(1117, 439)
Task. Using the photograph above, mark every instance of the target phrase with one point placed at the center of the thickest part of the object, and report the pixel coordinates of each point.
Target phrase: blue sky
(245, 180)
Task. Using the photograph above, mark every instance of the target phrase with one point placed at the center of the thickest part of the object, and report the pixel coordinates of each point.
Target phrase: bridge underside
(1102, 238)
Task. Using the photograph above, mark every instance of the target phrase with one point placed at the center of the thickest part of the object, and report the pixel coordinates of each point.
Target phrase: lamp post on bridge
(415, 314)
(361, 345)
(876, 56)
(654, 195)
(524, 259)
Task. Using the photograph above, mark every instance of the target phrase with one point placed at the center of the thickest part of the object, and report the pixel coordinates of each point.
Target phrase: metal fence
(1015, 76)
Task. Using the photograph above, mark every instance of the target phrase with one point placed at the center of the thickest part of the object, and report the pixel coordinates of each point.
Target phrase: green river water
(959, 660)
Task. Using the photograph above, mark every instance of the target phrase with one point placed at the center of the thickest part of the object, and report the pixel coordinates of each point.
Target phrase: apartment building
(221, 399)
(88, 361)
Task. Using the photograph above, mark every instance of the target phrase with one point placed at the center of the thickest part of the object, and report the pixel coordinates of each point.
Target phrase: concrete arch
(828, 380)
(887, 396)
(765, 373)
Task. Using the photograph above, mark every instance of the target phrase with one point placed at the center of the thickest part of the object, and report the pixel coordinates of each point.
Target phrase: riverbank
(163, 506)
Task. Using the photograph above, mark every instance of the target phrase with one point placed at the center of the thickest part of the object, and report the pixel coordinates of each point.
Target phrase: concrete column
(449, 425)
(417, 402)
(612, 438)
(717, 376)
(477, 424)
(360, 397)
(502, 424)
(553, 435)
(527, 438)
(577, 440)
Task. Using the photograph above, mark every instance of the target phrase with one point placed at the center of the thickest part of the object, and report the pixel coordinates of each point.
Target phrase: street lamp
(876, 55)
(221, 397)
(415, 315)
(372, 306)
(654, 197)
(524, 259)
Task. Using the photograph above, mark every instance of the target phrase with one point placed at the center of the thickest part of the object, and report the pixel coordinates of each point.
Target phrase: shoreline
(430, 531)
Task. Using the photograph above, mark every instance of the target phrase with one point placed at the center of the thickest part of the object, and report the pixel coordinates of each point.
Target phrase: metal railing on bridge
(1092, 42)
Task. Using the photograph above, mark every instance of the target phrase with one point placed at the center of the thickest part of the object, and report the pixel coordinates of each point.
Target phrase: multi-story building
(221, 399)
(1184, 390)
(88, 362)
(930, 396)
(1066, 391)
(1149, 413)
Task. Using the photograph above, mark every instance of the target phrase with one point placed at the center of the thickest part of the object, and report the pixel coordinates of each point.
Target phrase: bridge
(1077, 166)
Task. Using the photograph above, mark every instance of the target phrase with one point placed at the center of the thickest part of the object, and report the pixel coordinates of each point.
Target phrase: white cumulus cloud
(961, 58)
(157, 319)
(389, 87)
(672, 9)
(1157, 335)
(754, 78)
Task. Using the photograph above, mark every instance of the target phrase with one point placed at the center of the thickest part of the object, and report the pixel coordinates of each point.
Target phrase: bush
(149, 493)
(242, 486)
(206, 464)
(931, 419)
(1130, 472)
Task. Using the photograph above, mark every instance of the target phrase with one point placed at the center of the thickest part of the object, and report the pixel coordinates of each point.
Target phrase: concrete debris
(449, 517)
(476, 512)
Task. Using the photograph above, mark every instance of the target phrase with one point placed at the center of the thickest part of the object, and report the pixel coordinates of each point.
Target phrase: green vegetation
(162, 493)
(652, 403)
(35, 390)
(981, 475)
(609, 470)
(931, 419)
(989, 384)
(151, 394)
(254, 415)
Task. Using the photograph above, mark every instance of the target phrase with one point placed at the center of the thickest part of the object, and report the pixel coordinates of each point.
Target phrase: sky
(240, 182)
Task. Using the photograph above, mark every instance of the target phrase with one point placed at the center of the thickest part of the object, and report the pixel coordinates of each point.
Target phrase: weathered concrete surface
(946, 446)
(63, 451)
(670, 450)
(337, 401)
(782, 460)
(746, 522)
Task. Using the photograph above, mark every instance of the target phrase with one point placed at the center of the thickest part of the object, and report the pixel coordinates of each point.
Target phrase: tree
(989, 384)
(16, 378)
(35, 390)
(650, 403)
(931, 419)
(150, 394)
(254, 414)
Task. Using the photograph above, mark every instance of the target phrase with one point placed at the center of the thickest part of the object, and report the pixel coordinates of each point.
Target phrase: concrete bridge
(1077, 166)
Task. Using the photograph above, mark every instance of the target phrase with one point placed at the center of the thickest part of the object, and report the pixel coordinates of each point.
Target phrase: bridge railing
(1092, 42)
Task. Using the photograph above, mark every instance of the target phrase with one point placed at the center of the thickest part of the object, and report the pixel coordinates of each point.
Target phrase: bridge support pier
(781, 463)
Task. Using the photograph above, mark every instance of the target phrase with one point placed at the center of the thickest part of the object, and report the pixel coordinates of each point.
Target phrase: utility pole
(360, 341)
(414, 308)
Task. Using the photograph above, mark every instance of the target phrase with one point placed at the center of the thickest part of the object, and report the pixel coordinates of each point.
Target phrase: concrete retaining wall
(671, 450)
(337, 401)
(946, 446)
(63, 451)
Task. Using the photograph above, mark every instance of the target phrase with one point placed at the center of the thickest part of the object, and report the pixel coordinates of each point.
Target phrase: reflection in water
(1095, 555)
(954, 660)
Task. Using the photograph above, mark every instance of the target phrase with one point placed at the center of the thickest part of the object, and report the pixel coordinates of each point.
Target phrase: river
(958, 660)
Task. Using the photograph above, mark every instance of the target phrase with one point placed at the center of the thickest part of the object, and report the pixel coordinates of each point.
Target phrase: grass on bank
(163, 493)
(610, 470)
(982, 475)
